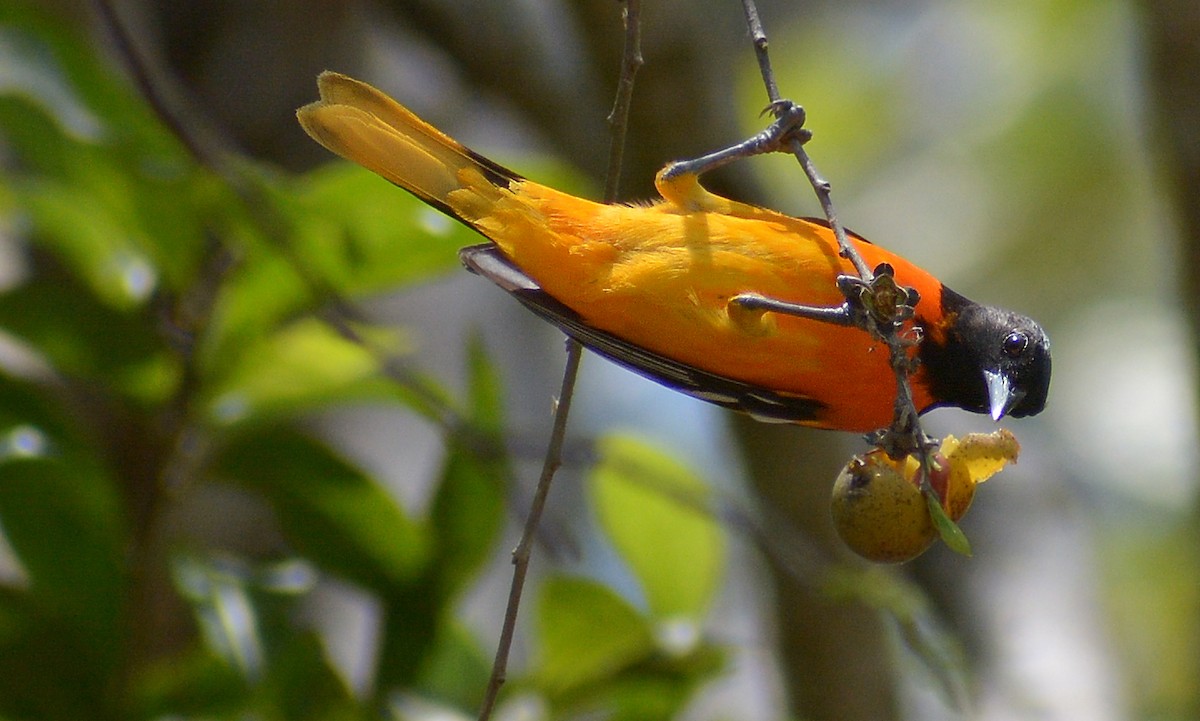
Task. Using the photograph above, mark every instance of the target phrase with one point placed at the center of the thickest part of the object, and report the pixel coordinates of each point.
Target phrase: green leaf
(468, 510)
(587, 634)
(455, 670)
(467, 516)
(102, 183)
(53, 64)
(293, 370)
(259, 294)
(361, 234)
(62, 638)
(951, 534)
(648, 697)
(62, 516)
(194, 684)
(27, 405)
(48, 670)
(64, 321)
(485, 389)
(303, 685)
(654, 509)
(412, 619)
(225, 611)
(85, 235)
(332, 512)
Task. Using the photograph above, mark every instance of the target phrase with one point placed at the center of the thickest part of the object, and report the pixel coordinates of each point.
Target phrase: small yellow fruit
(880, 514)
(879, 510)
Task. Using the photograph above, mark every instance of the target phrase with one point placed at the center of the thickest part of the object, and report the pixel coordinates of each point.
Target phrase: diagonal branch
(874, 286)
(619, 122)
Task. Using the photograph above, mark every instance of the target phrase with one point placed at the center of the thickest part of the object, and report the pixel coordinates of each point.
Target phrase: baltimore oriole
(649, 285)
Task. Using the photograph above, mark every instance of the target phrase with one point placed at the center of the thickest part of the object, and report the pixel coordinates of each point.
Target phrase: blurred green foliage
(175, 322)
(170, 328)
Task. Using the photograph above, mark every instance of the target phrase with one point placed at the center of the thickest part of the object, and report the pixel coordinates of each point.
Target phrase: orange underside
(662, 278)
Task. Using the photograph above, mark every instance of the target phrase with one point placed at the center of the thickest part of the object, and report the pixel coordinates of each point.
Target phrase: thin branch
(904, 435)
(759, 38)
(619, 122)
(521, 554)
(618, 119)
(778, 105)
(203, 144)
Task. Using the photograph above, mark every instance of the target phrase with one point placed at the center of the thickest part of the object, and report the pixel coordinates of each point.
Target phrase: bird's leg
(873, 302)
(873, 306)
(753, 302)
(777, 138)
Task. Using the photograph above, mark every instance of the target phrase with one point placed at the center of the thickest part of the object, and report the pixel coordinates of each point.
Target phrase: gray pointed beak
(1001, 395)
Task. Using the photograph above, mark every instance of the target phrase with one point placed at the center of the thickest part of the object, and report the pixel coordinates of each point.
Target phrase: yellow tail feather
(363, 125)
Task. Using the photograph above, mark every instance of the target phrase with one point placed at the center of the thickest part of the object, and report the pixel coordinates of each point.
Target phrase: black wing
(763, 404)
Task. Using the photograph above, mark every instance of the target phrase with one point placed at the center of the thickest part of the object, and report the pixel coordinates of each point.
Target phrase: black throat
(953, 374)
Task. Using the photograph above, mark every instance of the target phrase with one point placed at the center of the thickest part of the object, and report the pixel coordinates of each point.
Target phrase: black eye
(1015, 344)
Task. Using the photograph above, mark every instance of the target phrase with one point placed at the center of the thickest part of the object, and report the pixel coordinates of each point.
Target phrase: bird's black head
(990, 360)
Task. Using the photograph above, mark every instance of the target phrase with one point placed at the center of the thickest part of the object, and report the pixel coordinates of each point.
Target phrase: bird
(658, 286)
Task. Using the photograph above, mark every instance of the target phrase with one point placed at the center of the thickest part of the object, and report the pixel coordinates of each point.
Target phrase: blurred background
(1041, 155)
